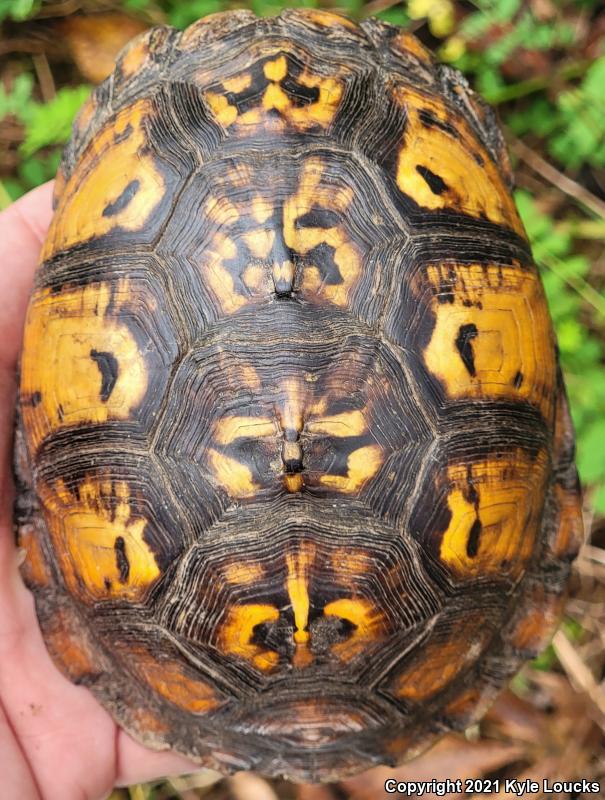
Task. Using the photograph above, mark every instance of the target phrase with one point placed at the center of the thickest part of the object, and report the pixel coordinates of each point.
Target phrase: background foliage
(541, 62)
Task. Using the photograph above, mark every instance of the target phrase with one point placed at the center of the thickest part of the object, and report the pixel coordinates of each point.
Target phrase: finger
(138, 764)
(23, 226)
(17, 780)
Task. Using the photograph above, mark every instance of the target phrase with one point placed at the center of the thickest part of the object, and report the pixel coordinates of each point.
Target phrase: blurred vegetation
(540, 62)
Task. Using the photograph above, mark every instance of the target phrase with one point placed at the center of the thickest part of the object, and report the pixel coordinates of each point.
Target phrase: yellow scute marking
(348, 423)
(61, 331)
(243, 573)
(510, 491)
(407, 44)
(514, 334)
(84, 530)
(477, 189)
(298, 590)
(368, 621)
(260, 242)
(275, 97)
(233, 476)
(362, 464)
(239, 83)
(136, 55)
(324, 109)
(238, 629)
(261, 209)
(221, 249)
(222, 211)
(224, 112)
(105, 169)
(312, 193)
(229, 429)
(320, 112)
(276, 70)
(326, 18)
(293, 482)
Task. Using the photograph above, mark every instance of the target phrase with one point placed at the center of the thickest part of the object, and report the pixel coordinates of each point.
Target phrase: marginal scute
(569, 532)
(134, 56)
(172, 681)
(35, 567)
(213, 26)
(451, 649)
(322, 18)
(405, 43)
(70, 644)
(532, 629)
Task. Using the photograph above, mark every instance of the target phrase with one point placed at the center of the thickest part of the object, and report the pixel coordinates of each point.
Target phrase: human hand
(56, 742)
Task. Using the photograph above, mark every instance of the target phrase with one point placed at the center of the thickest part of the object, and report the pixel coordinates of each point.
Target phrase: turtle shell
(295, 461)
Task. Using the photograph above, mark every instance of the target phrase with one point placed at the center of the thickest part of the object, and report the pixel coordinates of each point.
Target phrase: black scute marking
(318, 218)
(123, 200)
(293, 465)
(464, 343)
(436, 184)
(108, 366)
(472, 543)
(121, 559)
(518, 380)
(300, 94)
(322, 257)
(123, 135)
(429, 120)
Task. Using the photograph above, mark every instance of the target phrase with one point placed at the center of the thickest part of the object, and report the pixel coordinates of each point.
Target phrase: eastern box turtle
(295, 461)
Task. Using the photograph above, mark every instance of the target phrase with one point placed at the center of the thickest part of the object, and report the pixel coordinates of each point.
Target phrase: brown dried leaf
(515, 719)
(249, 786)
(452, 757)
(94, 41)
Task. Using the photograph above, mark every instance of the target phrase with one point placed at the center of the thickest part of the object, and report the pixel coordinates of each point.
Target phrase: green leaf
(352, 8)
(598, 499)
(17, 102)
(591, 452)
(38, 169)
(50, 123)
(396, 15)
(505, 10)
(183, 14)
(18, 10)
(137, 5)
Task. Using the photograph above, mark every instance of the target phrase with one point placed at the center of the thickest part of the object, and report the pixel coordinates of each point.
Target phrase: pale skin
(56, 742)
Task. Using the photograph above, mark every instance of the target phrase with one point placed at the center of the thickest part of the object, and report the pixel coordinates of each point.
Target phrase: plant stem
(532, 85)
